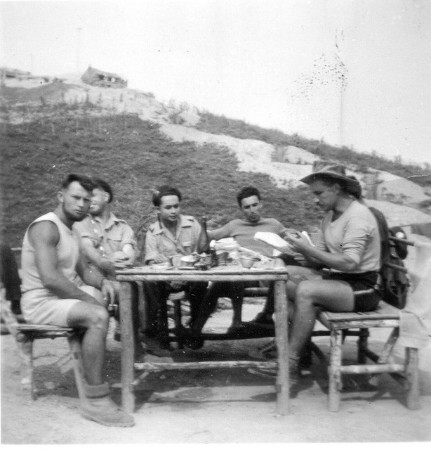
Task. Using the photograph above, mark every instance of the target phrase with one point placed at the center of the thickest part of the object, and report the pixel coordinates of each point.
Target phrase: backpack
(394, 279)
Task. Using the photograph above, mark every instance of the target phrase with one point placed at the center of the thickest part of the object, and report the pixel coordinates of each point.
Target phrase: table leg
(281, 333)
(412, 374)
(127, 347)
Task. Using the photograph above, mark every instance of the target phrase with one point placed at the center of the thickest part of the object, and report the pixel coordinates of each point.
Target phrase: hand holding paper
(273, 240)
(280, 244)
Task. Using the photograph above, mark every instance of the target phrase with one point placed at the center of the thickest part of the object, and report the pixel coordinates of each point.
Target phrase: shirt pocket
(166, 247)
(114, 240)
(186, 240)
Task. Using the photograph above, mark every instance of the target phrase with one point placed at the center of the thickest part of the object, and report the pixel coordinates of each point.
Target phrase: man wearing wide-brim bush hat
(333, 172)
(348, 248)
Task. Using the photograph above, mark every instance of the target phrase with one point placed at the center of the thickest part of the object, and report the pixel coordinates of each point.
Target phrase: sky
(351, 72)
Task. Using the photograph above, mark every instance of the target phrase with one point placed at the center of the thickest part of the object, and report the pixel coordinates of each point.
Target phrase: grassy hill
(135, 158)
(55, 138)
(212, 123)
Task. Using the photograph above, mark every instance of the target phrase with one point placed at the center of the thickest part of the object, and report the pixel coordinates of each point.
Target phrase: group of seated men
(69, 258)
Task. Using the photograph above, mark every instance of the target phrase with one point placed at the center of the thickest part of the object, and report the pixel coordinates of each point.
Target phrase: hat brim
(348, 182)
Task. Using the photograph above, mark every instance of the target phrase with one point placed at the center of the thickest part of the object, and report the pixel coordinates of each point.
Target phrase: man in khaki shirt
(107, 241)
(173, 234)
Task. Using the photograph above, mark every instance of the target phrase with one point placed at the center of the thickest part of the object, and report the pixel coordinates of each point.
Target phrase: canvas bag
(394, 282)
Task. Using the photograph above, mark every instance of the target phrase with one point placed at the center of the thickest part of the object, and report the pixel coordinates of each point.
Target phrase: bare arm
(94, 278)
(44, 237)
(95, 257)
(338, 261)
(220, 233)
(128, 245)
(129, 252)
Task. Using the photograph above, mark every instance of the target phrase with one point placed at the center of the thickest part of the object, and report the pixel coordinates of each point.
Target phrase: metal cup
(222, 258)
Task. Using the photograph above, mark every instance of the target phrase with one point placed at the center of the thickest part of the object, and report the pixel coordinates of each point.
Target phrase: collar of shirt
(183, 223)
(112, 220)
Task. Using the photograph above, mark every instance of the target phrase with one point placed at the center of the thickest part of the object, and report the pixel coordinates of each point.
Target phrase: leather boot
(100, 408)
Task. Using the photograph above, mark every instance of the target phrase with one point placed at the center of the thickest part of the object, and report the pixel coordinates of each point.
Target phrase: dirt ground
(217, 406)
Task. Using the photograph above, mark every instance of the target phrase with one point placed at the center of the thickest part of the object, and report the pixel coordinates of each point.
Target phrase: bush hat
(334, 172)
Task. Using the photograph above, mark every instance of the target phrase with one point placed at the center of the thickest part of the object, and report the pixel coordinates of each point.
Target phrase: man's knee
(86, 315)
(306, 292)
(99, 315)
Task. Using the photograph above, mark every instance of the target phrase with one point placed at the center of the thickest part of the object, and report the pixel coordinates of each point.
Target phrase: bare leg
(296, 275)
(94, 319)
(328, 294)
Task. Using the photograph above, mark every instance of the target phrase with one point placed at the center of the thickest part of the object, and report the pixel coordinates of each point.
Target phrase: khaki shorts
(40, 307)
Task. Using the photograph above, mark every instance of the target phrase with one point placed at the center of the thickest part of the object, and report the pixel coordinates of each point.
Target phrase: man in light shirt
(108, 241)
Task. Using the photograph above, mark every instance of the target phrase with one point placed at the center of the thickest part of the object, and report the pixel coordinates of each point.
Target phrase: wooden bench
(26, 334)
(386, 316)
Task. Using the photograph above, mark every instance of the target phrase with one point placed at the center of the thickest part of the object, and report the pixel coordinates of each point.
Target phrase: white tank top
(67, 255)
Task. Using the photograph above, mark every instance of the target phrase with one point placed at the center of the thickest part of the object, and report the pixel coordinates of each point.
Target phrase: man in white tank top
(59, 288)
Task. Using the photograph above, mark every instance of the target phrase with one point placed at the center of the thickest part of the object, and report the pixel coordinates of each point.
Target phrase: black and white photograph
(215, 222)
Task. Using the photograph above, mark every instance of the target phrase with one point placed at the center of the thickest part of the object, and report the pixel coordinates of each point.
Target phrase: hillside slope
(136, 158)
(138, 143)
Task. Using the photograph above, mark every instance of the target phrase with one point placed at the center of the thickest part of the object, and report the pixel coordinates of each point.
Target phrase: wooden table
(227, 273)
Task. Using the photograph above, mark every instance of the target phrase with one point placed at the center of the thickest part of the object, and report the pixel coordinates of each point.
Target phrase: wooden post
(128, 350)
(281, 333)
(389, 345)
(334, 372)
(363, 345)
(412, 378)
(33, 389)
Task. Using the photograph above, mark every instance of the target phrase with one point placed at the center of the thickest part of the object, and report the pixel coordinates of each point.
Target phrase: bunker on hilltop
(96, 77)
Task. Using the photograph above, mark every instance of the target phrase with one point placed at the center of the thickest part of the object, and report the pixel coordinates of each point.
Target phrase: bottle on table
(203, 244)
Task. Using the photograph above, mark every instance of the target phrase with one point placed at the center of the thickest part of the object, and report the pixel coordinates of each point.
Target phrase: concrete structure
(96, 77)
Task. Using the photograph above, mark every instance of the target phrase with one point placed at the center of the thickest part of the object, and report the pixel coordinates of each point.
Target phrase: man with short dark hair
(243, 231)
(172, 235)
(59, 288)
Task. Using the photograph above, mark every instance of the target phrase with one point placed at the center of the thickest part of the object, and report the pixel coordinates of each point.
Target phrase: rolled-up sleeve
(128, 237)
